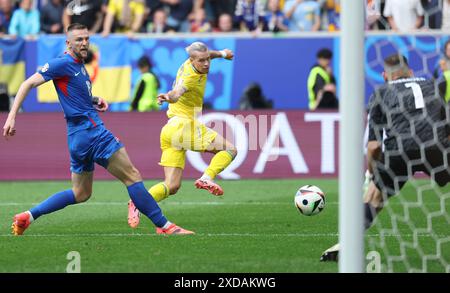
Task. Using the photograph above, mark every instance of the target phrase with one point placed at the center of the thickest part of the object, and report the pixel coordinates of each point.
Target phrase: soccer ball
(309, 200)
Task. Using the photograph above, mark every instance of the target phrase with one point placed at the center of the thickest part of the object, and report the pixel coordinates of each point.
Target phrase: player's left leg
(120, 166)
(80, 192)
(225, 152)
(374, 198)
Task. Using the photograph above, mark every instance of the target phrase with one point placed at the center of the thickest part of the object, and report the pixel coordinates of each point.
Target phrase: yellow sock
(219, 162)
(159, 191)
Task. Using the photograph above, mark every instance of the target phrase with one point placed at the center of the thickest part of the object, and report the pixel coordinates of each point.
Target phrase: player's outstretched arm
(225, 53)
(172, 96)
(33, 81)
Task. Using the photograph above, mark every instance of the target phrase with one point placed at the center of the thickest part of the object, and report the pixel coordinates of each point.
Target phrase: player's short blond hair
(196, 47)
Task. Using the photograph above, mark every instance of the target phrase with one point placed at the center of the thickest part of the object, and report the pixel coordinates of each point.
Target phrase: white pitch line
(198, 234)
(302, 235)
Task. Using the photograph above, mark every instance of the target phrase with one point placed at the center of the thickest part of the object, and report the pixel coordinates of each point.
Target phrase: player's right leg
(373, 204)
(80, 192)
(120, 166)
(170, 186)
(173, 159)
(159, 191)
(224, 153)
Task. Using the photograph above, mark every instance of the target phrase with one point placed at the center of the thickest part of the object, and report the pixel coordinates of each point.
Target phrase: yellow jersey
(190, 104)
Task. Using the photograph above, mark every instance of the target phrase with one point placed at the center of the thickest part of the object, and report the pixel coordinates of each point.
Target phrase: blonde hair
(196, 47)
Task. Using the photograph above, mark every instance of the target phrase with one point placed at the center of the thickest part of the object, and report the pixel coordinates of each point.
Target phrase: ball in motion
(309, 200)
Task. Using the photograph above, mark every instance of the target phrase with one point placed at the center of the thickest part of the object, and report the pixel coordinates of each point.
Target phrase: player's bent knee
(135, 174)
(173, 187)
(132, 175)
(82, 195)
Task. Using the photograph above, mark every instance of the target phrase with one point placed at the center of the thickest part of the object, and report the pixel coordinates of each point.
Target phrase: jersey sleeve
(375, 118)
(185, 78)
(54, 69)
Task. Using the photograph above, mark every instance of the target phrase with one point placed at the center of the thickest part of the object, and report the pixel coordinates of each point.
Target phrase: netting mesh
(412, 232)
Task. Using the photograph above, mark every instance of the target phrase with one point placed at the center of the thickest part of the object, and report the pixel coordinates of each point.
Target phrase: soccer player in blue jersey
(89, 141)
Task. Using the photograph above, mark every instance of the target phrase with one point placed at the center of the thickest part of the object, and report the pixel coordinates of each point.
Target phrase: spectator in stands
(303, 15)
(224, 23)
(199, 23)
(250, 15)
(331, 13)
(446, 15)
(372, 13)
(215, 8)
(146, 91)
(433, 14)
(87, 12)
(178, 14)
(6, 12)
(25, 20)
(321, 83)
(127, 16)
(276, 21)
(253, 98)
(159, 23)
(150, 8)
(51, 17)
(403, 15)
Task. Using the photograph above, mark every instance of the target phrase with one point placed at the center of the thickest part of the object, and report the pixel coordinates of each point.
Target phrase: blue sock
(146, 204)
(55, 202)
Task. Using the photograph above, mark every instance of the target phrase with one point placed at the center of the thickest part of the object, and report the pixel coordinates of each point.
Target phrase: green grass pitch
(254, 227)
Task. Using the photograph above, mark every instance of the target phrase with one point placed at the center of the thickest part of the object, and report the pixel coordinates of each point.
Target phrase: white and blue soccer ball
(309, 200)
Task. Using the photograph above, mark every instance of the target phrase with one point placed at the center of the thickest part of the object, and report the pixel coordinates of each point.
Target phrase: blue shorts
(91, 145)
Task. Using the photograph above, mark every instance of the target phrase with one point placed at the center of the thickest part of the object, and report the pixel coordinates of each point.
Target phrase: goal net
(412, 232)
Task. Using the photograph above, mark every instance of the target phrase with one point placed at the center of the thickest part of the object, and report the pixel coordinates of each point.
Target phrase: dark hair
(325, 53)
(396, 59)
(76, 26)
(144, 61)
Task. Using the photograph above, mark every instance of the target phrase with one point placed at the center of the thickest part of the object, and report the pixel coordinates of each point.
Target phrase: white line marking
(303, 235)
(152, 234)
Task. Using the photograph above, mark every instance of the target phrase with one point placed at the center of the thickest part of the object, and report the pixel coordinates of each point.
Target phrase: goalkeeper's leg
(373, 203)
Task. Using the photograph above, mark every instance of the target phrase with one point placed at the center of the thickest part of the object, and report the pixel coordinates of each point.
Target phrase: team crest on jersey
(45, 67)
(83, 70)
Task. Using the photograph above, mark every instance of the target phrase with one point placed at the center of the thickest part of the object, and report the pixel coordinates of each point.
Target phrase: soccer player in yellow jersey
(184, 132)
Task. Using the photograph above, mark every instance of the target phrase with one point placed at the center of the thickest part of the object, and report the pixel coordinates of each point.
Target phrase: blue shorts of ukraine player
(96, 144)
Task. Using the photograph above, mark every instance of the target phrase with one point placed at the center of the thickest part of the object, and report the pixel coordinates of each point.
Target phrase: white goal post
(351, 230)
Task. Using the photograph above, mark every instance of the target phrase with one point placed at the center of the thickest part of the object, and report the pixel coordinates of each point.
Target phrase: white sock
(205, 177)
(31, 216)
(166, 225)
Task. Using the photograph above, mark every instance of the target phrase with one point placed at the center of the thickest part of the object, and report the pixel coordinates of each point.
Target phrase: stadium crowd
(27, 18)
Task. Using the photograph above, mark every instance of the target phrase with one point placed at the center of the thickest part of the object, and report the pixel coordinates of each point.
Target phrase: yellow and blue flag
(109, 67)
(12, 63)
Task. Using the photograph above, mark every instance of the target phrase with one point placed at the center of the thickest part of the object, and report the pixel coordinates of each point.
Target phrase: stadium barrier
(271, 144)
(281, 64)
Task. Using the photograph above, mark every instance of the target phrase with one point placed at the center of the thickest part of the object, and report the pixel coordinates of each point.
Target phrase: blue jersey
(74, 88)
